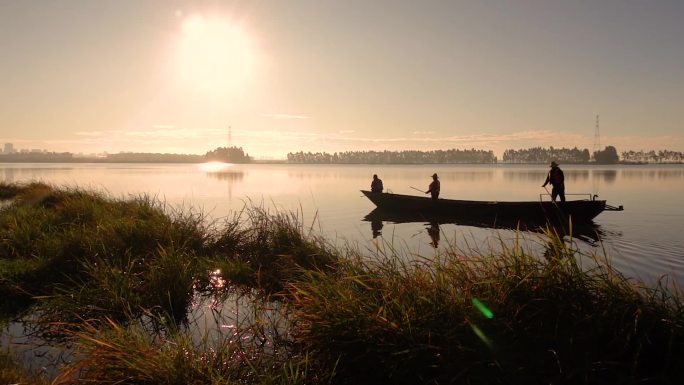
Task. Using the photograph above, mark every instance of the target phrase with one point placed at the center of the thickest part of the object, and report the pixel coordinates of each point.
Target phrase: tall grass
(104, 267)
(87, 255)
(269, 249)
(101, 253)
(113, 353)
(12, 372)
(502, 318)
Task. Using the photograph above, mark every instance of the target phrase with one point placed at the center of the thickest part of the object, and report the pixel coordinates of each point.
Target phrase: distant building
(9, 148)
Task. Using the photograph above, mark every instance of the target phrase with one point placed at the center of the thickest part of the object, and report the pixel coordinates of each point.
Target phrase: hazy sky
(289, 75)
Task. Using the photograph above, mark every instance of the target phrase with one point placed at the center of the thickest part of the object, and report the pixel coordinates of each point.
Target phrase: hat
(553, 164)
(434, 175)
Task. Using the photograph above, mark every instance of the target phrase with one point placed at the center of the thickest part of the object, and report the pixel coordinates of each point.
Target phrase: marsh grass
(12, 372)
(506, 317)
(82, 247)
(266, 250)
(102, 270)
(245, 353)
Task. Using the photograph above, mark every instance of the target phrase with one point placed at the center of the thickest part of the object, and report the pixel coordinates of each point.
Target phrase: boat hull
(576, 211)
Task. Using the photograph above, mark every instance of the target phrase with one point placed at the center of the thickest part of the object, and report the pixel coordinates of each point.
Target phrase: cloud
(89, 133)
(286, 116)
(346, 131)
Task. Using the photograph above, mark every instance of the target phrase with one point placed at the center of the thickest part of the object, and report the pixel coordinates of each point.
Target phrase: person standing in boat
(557, 180)
(376, 184)
(433, 189)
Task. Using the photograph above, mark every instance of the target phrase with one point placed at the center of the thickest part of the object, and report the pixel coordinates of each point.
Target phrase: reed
(107, 269)
(114, 353)
(87, 255)
(266, 250)
(13, 373)
(498, 318)
(86, 251)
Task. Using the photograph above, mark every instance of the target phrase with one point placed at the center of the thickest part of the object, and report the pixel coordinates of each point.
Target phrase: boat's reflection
(590, 232)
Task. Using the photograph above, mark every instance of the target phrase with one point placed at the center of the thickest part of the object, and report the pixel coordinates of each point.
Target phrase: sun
(215, 56)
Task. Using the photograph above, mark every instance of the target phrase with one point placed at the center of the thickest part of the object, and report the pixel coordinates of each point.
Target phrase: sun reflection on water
(215, 166)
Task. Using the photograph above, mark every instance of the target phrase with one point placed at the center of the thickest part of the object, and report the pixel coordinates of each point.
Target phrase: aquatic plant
(116, 277)
(506, 317)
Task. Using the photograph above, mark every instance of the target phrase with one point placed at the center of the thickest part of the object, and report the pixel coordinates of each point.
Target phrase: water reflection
(229, 176)
(467, 176)
(9, 175)
(648, 174)
(517, 175)
(220, 315)
(376, 226)
(538, 176)
(16, 173)
(433, 232)
(591, 233)
(609, 176)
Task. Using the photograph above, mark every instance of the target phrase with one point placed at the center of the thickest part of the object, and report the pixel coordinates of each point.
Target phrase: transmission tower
(597, 138)
(230, 138)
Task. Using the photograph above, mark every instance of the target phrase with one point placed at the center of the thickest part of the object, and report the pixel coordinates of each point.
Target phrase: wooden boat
(539, 212)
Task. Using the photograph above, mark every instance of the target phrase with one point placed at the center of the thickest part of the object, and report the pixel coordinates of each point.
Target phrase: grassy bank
(98, 270)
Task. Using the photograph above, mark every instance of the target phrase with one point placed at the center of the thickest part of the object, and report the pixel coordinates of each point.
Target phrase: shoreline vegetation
(536, 155)
(113, 281)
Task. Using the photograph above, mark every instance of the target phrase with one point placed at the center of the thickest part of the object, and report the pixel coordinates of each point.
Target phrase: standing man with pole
(557, 180)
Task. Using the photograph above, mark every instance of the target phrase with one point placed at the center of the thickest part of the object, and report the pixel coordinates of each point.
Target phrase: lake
(643, 241)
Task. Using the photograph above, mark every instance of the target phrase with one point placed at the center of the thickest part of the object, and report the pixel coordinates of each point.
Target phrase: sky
(279, 76)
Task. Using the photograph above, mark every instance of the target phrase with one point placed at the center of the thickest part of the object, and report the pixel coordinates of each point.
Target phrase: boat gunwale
(368, 194)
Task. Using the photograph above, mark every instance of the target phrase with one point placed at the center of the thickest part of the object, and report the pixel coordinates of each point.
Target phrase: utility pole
(230, 138)
(597, 139)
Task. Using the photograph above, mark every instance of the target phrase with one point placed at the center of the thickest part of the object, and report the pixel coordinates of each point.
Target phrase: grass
(102, 270)
(507, 318)
(12, 372)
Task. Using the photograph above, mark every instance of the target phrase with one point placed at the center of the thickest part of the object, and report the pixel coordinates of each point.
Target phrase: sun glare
(214, 166)
(215, 56)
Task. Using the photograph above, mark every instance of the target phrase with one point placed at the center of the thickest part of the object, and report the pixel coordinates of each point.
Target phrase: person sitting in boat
(376, 184)
(557, 180)
(433, 189)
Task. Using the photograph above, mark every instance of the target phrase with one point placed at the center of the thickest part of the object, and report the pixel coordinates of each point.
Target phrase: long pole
(417, 189)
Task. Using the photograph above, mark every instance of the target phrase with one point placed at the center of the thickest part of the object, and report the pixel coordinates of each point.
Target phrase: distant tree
(608, 156)
(228, 154)
(544, 155)
(395, 157)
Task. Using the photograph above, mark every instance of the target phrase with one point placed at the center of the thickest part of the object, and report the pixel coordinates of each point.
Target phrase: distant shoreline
(150, 158)
(3, 160)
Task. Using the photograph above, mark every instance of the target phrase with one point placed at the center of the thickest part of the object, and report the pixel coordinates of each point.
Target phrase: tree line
(663, 156)
(574, 155)
(452, 156)
(220, 154)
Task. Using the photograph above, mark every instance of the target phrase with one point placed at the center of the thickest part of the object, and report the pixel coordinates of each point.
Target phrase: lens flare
(482, 308)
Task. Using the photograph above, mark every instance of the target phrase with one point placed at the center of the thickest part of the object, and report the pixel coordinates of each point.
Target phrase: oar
(416, 189)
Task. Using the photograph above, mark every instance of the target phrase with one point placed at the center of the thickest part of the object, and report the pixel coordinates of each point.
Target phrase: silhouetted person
(376, 184)
(433, 232)
(376, 227)
(433, 189)
(557, 180)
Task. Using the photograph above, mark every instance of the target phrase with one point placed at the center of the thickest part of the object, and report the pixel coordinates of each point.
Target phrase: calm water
(643, 241)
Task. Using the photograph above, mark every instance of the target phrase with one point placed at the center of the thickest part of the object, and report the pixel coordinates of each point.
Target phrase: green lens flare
(483, 337)
(482, 308)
